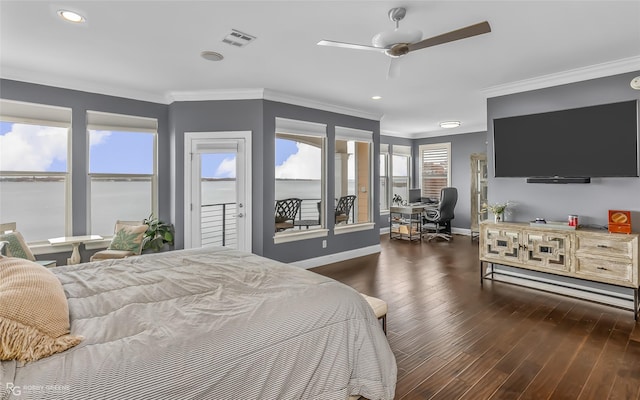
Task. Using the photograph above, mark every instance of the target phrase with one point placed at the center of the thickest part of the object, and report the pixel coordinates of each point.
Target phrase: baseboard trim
(337, 257)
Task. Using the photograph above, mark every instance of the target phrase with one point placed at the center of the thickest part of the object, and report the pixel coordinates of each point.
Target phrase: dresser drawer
(605, 270)
(605, 246)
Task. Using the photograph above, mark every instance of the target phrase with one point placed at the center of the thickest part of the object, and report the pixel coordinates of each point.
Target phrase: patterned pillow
(128, 237)
(17, 247)
(34, 314)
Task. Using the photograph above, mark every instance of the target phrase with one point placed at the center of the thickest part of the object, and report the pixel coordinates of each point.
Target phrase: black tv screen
(596, 141)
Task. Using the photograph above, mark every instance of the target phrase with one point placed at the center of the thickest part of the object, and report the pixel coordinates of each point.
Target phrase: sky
(25, 147)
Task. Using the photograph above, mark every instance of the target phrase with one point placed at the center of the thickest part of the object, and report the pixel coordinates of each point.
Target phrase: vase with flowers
(499, 210)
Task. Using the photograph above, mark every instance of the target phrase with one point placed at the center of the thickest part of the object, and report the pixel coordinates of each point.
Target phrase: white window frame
(384, 152)
(43, 115)
(434, 150)
(97, 120)
(316, 130)
(358, 135)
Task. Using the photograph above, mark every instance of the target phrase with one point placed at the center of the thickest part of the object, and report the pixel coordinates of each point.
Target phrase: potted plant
(499, 210)
(158, 235)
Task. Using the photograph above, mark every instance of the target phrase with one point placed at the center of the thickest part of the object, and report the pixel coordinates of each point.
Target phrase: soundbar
(559, 179)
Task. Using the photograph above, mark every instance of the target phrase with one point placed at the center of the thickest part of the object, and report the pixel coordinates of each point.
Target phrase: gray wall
(555, 201)
(214, 116)
(257, 116)
(79, 102)
(311, 248)
(462, 146)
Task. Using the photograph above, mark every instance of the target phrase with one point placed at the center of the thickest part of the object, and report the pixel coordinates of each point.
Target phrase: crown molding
(38, 78)
(218, 94)
(570, 76)
(267, 94)
(281, 97)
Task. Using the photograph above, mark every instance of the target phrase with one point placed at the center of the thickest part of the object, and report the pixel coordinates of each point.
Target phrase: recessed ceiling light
(635, 83)
(211, 56)
(71, 16)
(449, 124)
(376, 97)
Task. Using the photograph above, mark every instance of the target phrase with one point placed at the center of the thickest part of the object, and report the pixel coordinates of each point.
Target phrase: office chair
(438, 221)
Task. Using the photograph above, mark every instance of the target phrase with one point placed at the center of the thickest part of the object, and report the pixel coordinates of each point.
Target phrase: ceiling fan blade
(462, 33)
(349, 45)
(392, 72)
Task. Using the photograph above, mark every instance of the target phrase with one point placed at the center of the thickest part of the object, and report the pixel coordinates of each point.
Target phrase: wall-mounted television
(595, 141)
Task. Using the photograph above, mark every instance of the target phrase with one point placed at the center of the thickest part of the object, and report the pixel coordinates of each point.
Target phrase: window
(354, 171)
(385, 193)
(401, 166)
(299, 174)
(434, 168)
(122, 169)
(34, 171)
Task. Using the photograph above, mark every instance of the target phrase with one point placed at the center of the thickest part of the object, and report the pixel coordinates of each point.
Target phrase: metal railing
(218, 224)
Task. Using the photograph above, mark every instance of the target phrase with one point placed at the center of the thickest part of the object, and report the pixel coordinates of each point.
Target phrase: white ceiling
(150, 50)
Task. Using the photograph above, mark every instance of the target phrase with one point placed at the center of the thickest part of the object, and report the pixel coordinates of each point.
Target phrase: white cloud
(305, 164)
(32, 147)
(226, 169)
(98, 137)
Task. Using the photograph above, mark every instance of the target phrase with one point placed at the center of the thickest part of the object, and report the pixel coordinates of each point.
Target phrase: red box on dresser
(619, 221)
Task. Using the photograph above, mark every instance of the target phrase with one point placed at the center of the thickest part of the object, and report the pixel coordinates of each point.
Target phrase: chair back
(448, 200)
(287, 209)
(344, 206)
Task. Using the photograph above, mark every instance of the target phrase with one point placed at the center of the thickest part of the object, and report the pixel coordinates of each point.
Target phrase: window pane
(434, 169)
(401, 177)
(118, 198)
(353, 178)
(384, 182)
(36, 148)
(35, 204)
(298, 172)
(113, 152)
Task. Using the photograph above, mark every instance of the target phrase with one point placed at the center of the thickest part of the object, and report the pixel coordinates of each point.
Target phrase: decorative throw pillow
(280, 219)
(128, 237)
(34, 314)
(17, 247)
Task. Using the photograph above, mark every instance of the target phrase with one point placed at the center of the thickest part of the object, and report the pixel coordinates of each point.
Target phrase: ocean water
(39, 211)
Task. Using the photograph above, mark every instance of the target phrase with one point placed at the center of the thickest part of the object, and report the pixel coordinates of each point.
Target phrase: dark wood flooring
(454, 339)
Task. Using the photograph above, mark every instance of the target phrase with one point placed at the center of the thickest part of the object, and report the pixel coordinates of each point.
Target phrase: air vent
(238, 39)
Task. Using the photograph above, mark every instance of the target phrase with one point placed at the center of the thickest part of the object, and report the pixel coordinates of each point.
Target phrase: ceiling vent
(238, 39)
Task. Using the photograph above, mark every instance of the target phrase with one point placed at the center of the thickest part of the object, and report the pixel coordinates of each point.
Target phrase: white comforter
(210, 323)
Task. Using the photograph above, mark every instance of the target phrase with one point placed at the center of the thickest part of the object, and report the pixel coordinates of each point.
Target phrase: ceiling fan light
(449, 124)
(387, 39)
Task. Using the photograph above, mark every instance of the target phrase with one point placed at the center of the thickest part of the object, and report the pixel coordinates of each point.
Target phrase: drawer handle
(602, 268)
(603, 246)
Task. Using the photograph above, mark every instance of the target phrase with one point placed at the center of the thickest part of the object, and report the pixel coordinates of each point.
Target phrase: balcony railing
(219, 224)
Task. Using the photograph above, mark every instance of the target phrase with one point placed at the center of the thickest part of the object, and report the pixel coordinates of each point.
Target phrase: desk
(75, 241)
(403, 228)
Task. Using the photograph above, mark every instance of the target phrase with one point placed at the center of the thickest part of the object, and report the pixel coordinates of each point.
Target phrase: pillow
(17, 247)
(280, 219)
(34, 314)
(128, 238)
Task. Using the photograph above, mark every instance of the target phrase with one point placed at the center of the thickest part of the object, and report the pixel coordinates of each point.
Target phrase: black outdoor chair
(343, 209)
(286, 213)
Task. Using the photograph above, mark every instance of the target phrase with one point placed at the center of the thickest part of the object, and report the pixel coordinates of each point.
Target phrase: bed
(210, 323)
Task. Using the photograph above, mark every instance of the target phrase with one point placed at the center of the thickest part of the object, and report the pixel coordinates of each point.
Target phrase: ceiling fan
(397, 43)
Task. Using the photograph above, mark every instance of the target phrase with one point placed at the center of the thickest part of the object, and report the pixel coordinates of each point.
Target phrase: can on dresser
(573, 220)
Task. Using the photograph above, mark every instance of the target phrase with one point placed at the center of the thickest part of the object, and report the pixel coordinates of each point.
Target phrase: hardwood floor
(454, 339)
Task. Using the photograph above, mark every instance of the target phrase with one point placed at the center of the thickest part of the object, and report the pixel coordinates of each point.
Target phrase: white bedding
(211, 323)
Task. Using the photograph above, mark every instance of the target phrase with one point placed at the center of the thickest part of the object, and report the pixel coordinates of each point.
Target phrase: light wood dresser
(585, 254)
